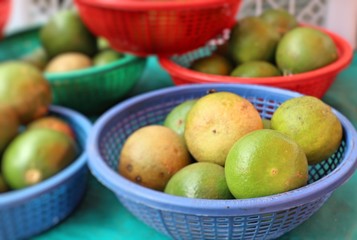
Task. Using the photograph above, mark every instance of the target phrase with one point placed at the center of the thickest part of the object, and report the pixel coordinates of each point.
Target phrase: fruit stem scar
(33, 176)
(274, 171)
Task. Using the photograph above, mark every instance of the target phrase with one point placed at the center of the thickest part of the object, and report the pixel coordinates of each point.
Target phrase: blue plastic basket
(32, 210)
(185, 218)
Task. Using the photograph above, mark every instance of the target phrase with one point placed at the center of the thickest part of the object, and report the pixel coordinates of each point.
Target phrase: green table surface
(101, 215)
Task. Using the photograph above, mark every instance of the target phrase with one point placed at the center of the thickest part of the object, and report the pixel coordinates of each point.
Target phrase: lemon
(312, 124)
(215, 122)
(263, 163)
(200, 180)
(151, 155)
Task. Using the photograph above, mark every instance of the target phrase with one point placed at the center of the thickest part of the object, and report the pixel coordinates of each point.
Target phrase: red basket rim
(153, 4)
(345, 57)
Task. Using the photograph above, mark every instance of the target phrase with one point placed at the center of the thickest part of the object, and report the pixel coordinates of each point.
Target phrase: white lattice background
(339, 16)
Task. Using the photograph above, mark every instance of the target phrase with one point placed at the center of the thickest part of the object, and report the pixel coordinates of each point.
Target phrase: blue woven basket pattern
(30, 214)
(182, 225)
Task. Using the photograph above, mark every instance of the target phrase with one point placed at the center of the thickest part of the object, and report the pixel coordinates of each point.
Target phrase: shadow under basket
(186, 218)
(30, 211)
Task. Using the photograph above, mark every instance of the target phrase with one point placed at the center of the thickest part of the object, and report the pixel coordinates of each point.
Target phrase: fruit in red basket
(280, 19)
(263, 163)
(151, 155)
(304, 49)
(213, 64)
(312, 124)
(3, 185)
(106, 56)
(67, 62)
(54, 123)
(176, 119)
(65, 32)
(255, 69)
(36, 155)
(23, 87)
(9, 125)
(215, 122)
(199, 180)
(253, 39)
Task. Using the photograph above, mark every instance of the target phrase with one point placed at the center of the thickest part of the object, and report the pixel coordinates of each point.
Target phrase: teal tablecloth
(101, 216)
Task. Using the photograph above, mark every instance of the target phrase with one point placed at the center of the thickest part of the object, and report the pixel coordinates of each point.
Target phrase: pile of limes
(218, 147)
(272, 44)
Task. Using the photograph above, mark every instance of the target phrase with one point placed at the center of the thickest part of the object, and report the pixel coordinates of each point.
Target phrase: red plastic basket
(5, 6)
(314, 83)
(145, 27)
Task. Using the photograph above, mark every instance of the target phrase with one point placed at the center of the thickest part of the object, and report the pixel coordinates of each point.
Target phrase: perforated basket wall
(27, 212)
(184, 218)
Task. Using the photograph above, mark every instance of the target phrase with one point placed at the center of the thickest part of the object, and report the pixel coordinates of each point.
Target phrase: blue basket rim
(127, 189)
(16, 196)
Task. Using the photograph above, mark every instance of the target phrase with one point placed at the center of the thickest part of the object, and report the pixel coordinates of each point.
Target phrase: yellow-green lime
(263, 163)
(199, 180)
(312, 124)
(256, 69)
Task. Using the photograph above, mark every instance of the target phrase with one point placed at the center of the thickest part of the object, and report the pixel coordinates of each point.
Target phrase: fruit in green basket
(255, 69)
(3, 185)
(36, 155)
(65, 32)
(215, 122)
(176, 119)
(23, 87)
(280, 19)
(67, 62)
(38, 57)
(304, 49)
(9, 125)
(213, 64)
(312, 124)
(253, 39)
(106, 56)
(263, 163)
(151, 155)
(199, 180)
(54, 123)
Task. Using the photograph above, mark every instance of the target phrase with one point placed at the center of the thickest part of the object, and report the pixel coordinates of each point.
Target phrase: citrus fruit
(151, 155)
(304, 49)
(263, 163)
(213, 64)
(23, 87)
(280, 19)
(253, 39)
(9, 126)
(3, 184)
(199, 180)
(36, 155)
(65, 32)
(54, 123)
(106, 56)
(312, 124)
(176, 118)
(67, 62)
(215, 122)
(255, 69)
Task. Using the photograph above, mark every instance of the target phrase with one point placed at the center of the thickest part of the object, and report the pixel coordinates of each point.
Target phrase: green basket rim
(126, 59)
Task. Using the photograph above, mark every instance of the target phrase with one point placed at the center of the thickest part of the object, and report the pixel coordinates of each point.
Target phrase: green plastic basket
(90, 91)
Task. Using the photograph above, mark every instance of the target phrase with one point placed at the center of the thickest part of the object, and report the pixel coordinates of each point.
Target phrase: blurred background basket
(184, 218)
(158, 27)
(32, 210)
(5, 8)
(314, 83)
(90, 91)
